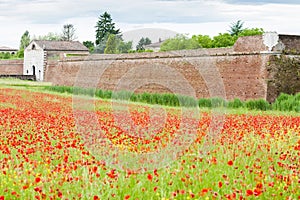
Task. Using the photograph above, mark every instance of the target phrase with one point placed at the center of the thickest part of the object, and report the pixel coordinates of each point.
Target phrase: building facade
(4, 49)
(38, 52)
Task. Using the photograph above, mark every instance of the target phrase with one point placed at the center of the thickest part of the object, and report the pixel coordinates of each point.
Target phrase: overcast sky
(208, 17)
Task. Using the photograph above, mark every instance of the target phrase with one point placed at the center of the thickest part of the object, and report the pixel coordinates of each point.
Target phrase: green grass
(285, 102)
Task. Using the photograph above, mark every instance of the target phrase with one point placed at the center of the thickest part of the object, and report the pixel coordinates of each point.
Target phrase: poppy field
(58, 147)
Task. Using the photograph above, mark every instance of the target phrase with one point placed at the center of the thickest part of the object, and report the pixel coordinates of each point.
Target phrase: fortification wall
(196, 73)
(11, 67)
(246, 71)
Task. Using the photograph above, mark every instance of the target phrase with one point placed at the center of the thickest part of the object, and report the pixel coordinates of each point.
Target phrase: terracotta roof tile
(4, 48)
(61, 45)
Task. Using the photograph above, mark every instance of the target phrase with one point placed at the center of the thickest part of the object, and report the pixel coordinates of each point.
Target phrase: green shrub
(259, 104)
(187, 101)
(218, 102)
(205, 103)
(123, 95)
(285, 102)
(235, 103)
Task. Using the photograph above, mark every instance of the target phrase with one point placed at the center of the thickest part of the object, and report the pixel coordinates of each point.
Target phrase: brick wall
(11, 67)
(195, 74)
(242, 71)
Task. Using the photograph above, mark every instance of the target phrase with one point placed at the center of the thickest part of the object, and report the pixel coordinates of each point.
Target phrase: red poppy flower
(149, 177)
(249, 192)
(37, 179)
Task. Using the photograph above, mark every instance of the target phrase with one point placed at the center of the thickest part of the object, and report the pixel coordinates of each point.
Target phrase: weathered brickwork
(11, 67)
(195, 73)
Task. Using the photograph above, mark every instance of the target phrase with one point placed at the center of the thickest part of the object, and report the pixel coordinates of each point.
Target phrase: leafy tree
(20, 53)
(125, 47)
(252, 31)
(179, 42)
(25, 40)
(104, 27)
(112, 44)
(142, 43)
(204, 40)
(90, 45)
(236, 28)
(224, 40)
(5, 55)
(68, 32)
(101, 46)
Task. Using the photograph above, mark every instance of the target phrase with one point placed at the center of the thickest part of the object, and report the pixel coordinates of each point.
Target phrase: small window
(33, 47)
(27, 71)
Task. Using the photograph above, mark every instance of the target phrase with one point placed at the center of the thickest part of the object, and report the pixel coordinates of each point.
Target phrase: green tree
(68, 32)
(252, 31)
(90, 45)
(125, 47)
(104, 27)
(25, 40)
(112, 44)
(236, 28)
(179, 42)
(102, 45)
(5, 55)
(224, 40)
(204, 40)
(142, 43)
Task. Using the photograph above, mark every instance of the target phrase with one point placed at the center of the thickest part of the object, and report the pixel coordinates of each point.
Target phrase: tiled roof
(3, 48)
(61, 45)
(154, 45)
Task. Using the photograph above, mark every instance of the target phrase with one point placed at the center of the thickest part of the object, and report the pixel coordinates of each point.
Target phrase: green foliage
(142, 43)
(25, 40)
(179, 42)
(224, 40)
(227, 39)
(90, 45)
(105, 27)
(218, 102)
(204, 40)
(259, 104)
(204, 103)
(5, 55)
(236, 28)
(140, 51)
(20, 53)
(251, 32)
(235, 103)
(285, 102)
(115, 45)
(124, 47)
(112, 45)
(101, 46)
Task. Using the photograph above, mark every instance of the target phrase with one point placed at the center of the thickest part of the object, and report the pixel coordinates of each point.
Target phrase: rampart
(11, 67)
(245, 71)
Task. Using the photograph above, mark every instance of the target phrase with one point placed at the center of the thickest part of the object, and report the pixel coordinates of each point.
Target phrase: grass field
(55, 146)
